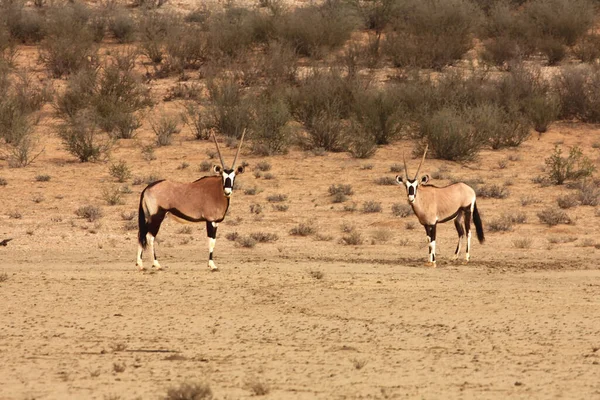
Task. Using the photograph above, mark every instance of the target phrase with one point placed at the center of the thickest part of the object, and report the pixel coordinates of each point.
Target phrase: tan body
(439, 204)
(202, 200)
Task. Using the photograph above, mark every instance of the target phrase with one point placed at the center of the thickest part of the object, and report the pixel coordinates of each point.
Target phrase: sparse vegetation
(572, 167)
(189, 391)
(41, 178)
(120, 171)
(553, 216)
(371, 207)
(401, 210)
(89, 212)
(302, 230)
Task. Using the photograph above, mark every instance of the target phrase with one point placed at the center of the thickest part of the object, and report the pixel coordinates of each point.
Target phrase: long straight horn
(219, 151)
(423, 159)
(405, 168)
(238, 150)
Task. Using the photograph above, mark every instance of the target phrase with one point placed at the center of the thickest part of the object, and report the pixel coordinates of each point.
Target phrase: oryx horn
(405, 168)
(238, 150)
(219, 151)
(423, 159)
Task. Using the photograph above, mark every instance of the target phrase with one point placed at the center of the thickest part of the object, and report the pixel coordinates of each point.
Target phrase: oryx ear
(217, 169)
(240, 169)
(424, 179)
(399, 179)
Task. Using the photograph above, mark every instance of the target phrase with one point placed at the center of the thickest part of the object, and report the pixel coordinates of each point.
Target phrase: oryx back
(437, 204)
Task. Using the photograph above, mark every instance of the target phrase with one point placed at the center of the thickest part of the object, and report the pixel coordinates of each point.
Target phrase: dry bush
(316, 29)
(198, 120)
(317, 274)
(264, 237)
(529, 199)
(246, 241)
(275, 198)
(112, 196)
(574, 166)
(69, 44)
(271, 132)
(189, 391)
(567, 201)
(371, 207)
(501, 224)
(522, 243)
(3, 182)
(23, 25)
(320, 103)
(450, 136)
(492, 191)
(302, 230)
(120, 171)
(164, 129)
(588, 193)
(431, 34)
(386, 181)
(579, 91)
(345, 189)
(379, 114)
(401, 210)
(553, 216)
(352, 239)
(186, 47)
(122, 25)
(89, 212)
(82, 138)
(257, 386)
(231, 110)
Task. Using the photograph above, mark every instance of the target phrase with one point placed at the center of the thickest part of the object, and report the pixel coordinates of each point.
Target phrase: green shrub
(572, 167)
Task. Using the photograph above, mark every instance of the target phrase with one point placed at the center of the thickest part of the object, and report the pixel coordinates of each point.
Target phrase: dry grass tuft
(189, 391)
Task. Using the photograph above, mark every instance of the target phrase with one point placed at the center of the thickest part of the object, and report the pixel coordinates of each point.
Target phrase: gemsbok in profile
(206, 199)
(433, 205)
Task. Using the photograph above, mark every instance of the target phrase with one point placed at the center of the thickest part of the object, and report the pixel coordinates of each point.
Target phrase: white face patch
(411, 190)
(228, 179)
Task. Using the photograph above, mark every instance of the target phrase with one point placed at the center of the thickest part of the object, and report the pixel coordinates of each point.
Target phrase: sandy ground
(363, 330)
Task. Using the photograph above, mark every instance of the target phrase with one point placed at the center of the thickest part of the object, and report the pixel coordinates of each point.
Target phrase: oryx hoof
(212, 266)
(430, 264)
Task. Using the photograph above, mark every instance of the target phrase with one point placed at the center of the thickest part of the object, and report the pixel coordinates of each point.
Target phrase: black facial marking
(228, 183)
(411, 190)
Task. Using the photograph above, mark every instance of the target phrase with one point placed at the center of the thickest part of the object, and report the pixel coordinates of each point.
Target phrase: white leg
(211, 246)
(432, 251)
(467, 256)
(139, 263)
(155, 263)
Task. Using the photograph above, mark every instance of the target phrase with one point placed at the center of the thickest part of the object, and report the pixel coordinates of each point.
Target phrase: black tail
(478, 225)
(142, 225)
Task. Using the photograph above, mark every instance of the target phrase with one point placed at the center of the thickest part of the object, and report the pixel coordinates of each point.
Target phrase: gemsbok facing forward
(206, 199)
(433, 205)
